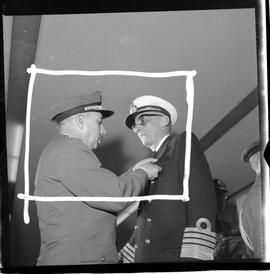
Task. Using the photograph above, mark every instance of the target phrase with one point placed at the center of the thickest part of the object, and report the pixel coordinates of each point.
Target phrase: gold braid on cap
(132, 108)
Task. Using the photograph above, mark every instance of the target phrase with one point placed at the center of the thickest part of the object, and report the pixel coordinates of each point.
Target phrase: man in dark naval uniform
(171, 230)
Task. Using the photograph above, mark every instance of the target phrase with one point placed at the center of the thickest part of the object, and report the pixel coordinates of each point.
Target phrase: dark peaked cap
(78, 104)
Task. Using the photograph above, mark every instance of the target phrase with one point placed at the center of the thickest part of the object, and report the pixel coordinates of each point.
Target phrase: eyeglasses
(143, 120)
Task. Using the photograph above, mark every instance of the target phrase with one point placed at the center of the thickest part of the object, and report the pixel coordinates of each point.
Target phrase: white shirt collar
(67, 134)
(160, 143)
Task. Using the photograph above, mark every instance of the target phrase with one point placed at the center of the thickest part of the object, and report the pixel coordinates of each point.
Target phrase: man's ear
(79, 121)
(164, 121)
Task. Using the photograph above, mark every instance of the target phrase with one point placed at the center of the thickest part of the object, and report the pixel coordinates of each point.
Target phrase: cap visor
(105, 112)
(252, 149)
(130, 120)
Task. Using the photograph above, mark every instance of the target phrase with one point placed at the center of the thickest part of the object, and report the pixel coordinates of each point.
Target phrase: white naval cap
(150, 104)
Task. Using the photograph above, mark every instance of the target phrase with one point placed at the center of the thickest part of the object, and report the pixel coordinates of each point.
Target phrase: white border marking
(264, 138)
(100, 199)
(190, 101)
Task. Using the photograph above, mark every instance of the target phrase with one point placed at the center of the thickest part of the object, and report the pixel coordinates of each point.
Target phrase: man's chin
(95, 145)
(98, 142)
(144, 142)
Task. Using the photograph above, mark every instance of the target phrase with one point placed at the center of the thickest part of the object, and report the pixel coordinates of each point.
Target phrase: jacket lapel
(163, 148)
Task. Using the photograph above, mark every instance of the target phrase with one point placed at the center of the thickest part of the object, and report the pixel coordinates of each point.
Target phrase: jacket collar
(158, 154)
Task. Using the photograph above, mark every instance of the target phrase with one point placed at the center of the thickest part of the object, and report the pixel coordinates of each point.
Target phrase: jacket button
(103, 259)
(147, 241)
(136, 227)
(135, 246)
(149, 220)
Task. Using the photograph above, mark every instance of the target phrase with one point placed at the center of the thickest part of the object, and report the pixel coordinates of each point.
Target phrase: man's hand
(147, 165)
(142, 162)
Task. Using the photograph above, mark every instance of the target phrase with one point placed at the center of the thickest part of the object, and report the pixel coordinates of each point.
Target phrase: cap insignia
(132, 109)
(92, 107)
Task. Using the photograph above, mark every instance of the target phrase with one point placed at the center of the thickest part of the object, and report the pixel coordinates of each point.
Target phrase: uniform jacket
(172, 231)
(75, 232)
(250, 216)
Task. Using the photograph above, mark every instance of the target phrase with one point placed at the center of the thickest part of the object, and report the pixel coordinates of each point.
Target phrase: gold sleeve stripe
(199, 241)
(197, 256)
(130, 247)
(197, 252)
(205, 232)
(125, 257)
(200, 236)
(130, 253)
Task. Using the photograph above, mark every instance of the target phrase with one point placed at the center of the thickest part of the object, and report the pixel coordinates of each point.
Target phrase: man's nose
(135, 128)
(102, 130)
